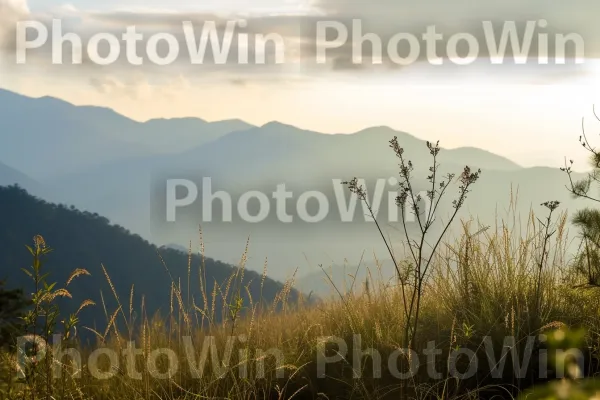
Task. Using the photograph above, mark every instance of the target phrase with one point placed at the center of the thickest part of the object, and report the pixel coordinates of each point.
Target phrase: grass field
(483, 290)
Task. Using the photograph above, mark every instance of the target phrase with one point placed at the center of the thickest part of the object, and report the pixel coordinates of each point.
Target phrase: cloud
(138, 86)
(385, 18)
(271, 31)
(10, 12)
(13, 9)
(459, 11)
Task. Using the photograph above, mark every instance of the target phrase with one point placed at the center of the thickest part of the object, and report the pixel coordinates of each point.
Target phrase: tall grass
(509, 280)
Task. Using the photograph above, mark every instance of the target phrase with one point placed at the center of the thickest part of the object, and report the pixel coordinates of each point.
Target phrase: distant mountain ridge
(124, 184)
(49, 137)
(84, 137)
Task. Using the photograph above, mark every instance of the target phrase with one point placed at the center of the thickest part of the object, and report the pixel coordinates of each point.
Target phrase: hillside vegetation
(482, 290)
(88, 241)
(500, 310)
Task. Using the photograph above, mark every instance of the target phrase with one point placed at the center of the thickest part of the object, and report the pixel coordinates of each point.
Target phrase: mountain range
(105, 163)
(47, 137)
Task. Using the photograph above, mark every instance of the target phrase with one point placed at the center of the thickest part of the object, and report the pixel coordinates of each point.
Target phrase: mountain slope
(85, 240)
(10, 176)
(127, 184)
(179, 134)
(280, 148)
(48, 137)
(263, 158)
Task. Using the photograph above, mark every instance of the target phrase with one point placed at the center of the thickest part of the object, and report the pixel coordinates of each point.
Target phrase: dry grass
(482, 285)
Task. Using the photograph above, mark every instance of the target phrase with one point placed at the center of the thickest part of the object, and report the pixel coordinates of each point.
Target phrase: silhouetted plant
(587, 220)
(581, 188)
(587, 261)
(551, 206)
(415, 275)
(43, 320)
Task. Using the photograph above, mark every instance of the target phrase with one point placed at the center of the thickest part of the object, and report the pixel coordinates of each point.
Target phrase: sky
(532, 115)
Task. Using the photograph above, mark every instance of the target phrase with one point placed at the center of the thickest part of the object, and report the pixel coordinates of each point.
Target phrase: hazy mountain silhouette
(276, 148)
(263, 157)
(326, 282)
(10, 176)
(179, 134)
(44, 137)
(125, 184)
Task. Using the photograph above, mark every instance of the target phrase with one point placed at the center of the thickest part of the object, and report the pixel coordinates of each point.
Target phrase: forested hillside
(88, 241)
